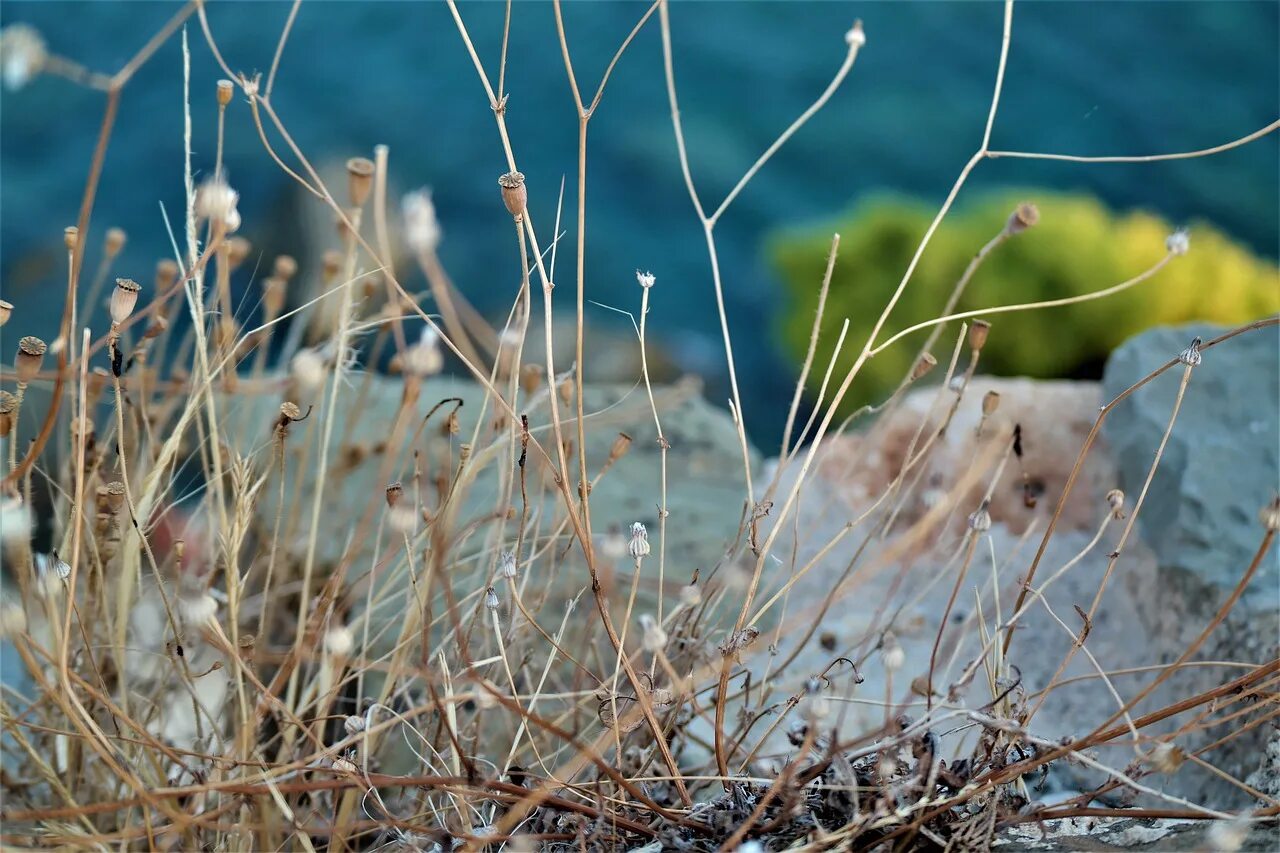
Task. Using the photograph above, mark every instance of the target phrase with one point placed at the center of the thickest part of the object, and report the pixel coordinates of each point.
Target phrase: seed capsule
(514, 194)
(123, 299)
(31, 352)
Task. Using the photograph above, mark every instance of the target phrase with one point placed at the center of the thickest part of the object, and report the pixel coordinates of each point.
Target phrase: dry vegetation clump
(223, 640)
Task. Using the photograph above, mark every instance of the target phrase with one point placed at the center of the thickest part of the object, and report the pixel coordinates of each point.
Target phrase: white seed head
(750, 847)
(308, 369)
(198, 608)
(1115, 500)
(1270, 515)
(15, 520)
(402, 519)
(613, 545)
(23, 54)
(354, 724)
(507, 564)
(1228, 836)
(646, 279)
(1179, 242)
(421, 227)
(855, 37)
(638, 546)
(216, 202)
(13, 619)
(339, 641)
(893, 653)
(491, 598)
(654, 638)
(691, 595)
(423, 358)
(1166, 757)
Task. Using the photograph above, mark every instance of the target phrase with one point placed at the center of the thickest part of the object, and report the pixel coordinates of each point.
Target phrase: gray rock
(1222, 462)
(1163, 835)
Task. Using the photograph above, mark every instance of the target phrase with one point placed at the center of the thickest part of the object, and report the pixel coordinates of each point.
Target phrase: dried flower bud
(394, 492)
(31, 352)
(1115, 500)
(359, 180)
(507, 564)
(354, 724)
(123, 299)
(273, 295)
(114, 241)
(491, 599)
(855, 37)
(638, 547)
(339, 641)
(1270, 515)
(60, 568)
(285, 267)
(514, 194)
(646, 279)
(115, 496)
(1024, 216)
(990, 402)
(891, 651)
(331, 263)
(565, 390)
(6, 311)
(71, 237)
(157, 328)
(530, 378)
(421, 227)
(654, 638)
(1179, 242)
(923, 365)
(1191, 355)
(166, 274)
(225, 90)
(980, 520)
(978, 334)
(345, 765)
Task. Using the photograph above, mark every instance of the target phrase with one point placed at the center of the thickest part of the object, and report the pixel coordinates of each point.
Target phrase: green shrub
(1078, 247)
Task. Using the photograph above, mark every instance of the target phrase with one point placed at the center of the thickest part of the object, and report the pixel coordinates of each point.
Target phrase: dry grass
(203, 672)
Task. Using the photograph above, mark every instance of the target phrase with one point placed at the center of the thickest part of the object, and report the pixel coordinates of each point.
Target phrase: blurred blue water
(1093, 78)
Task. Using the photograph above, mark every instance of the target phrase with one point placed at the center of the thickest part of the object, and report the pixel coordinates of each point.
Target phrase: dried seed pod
(394, 492)
(1024, 216)
(892, 653)
(6, 311)
(225, 89)
(923, 365)
(331, 262)
(114, 241)
(990, 402)
(237, 248)
(115, 496)
(273, 295)
(978, 334)
(514, 193)
(566, 391)
(1191, 355)
(621, 445)
(980, 520)
(359, 180)
(156, 329)
(123, 299)
(71, 237)
(507, 564)
(8, 405)
(31, 352)
(491, 599)
(353, 725)
(638, 547)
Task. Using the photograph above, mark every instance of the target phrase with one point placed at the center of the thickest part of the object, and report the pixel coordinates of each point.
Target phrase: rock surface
(1222, 461)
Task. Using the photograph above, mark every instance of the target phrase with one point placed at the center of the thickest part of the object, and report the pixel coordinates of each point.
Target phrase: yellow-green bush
(1078, 247)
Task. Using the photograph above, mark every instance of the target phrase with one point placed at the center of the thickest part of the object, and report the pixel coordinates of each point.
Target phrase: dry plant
(202, 673)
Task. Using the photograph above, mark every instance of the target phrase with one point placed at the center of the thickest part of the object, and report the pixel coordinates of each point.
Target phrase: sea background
(1083, 78)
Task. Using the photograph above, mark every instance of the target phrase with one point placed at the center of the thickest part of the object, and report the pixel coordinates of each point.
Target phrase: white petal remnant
(423, 358)
(638, 547)
(655, 638)
(1179, 242)
(339, 641)
(507, 564)
(646, 279)
(197, 609)
(23, 54)
(421, 227)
